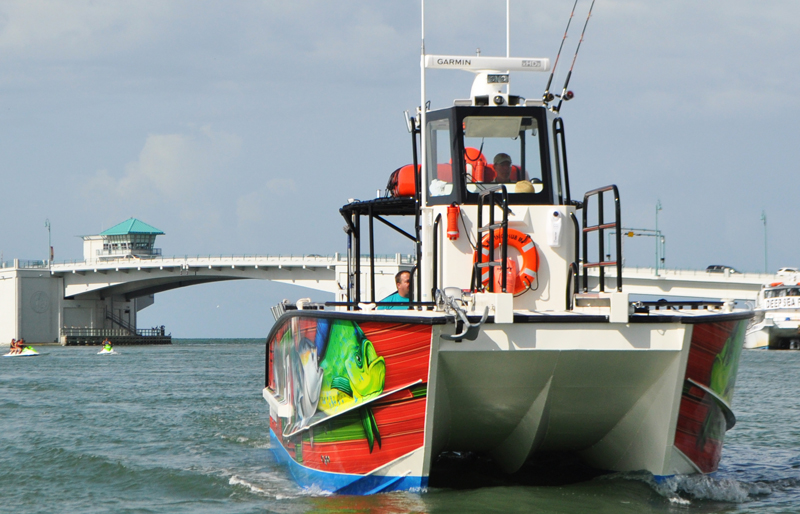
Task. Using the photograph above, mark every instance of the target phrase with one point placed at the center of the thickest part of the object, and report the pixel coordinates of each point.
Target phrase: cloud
(78, 29)
(252, 207)
(184, 170)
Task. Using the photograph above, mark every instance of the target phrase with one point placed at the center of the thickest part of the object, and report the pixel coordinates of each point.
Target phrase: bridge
(122, 270)
(134, 278)
(686, 283)
(39, 300)
(43, 302)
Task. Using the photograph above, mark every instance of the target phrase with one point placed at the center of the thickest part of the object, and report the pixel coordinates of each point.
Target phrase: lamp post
(658, 208)
(764, 219)
(49, 243)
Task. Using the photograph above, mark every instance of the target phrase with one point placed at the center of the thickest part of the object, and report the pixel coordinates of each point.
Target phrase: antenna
(423, 115)
(508, 36)
(566, 95)
(508, 28)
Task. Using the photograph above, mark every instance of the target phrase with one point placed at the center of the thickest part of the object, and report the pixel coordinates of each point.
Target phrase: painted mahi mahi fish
(353, 373)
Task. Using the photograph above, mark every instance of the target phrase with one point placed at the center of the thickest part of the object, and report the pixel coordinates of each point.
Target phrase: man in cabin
(403, 282)
(502, 168)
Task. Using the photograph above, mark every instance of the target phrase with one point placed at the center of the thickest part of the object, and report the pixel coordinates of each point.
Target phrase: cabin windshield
(507, 148)
(504, 144)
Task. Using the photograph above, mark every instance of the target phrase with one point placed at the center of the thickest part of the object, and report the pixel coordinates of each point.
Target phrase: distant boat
(777, 322)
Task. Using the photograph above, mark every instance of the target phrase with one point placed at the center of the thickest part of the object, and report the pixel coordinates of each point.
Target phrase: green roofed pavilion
(131, 226)
(131, 239)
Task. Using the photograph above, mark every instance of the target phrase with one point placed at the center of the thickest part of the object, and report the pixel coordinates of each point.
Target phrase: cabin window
(782, 292)
(439, 160)
(502, 150)
(471, 149)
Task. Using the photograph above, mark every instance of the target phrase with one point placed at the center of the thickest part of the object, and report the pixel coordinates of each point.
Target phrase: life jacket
(490, 175)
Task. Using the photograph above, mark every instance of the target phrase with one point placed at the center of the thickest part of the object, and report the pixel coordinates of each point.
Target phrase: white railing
(245, 259)
(128, 253)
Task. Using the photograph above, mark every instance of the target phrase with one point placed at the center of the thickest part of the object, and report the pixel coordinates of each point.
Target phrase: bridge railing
(128, 253)
(24, 264)
(111, 332)
(210, 259)
(700, 273)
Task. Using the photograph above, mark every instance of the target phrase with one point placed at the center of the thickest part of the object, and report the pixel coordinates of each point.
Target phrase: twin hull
(363, 403)
(775, 333)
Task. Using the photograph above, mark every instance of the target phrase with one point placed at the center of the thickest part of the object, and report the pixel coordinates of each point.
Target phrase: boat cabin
(490, 196)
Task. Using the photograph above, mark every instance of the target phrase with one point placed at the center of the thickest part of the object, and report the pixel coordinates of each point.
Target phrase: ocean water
(183, 428)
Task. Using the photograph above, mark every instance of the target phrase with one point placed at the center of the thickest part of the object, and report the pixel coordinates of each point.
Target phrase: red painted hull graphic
(713, 362)
(338, 442)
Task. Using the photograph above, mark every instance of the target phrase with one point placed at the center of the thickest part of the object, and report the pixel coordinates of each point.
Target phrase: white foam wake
(234, 480)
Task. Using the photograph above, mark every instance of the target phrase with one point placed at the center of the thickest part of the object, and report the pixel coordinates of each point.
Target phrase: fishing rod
(548, 96)
(566, 95)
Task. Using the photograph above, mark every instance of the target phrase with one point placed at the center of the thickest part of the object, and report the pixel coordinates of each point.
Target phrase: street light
(49, 242)
(658, 208)
(764, 219)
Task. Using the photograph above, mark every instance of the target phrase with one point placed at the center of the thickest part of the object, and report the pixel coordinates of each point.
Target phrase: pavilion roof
(131, 226)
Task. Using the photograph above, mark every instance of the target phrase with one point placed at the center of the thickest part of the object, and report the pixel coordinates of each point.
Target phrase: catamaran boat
(507, 347)
(776, 325)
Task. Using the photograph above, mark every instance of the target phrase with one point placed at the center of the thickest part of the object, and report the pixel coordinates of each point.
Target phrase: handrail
(111, 332)
(381, 304)
(437, 222)
(560, 144)
(599, 229)
(572, 276)
(491, 194)
(121, 322)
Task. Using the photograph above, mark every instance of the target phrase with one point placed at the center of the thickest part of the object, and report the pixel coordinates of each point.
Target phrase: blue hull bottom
(343, 483)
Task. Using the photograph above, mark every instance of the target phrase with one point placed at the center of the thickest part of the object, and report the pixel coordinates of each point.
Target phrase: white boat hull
(777, 332)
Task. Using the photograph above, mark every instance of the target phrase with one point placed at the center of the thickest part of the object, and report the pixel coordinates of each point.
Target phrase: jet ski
(26, 352)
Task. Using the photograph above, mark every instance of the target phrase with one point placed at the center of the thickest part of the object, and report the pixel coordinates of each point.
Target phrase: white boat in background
(776, 325)
(503, 349)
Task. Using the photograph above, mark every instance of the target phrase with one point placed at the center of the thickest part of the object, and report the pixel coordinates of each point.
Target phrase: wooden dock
(86, 336)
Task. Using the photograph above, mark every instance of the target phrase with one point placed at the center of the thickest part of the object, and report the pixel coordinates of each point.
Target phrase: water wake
(234, 480)
(683, 489)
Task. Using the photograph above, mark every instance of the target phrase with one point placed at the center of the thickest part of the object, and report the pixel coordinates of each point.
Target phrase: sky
(241, 127)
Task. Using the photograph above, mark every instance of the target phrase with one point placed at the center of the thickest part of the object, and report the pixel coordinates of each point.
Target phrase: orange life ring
(524, 245)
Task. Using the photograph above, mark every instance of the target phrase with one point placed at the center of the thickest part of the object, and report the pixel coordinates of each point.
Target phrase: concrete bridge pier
(33, 306)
